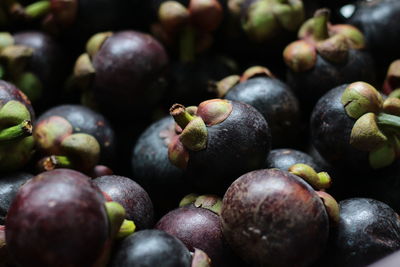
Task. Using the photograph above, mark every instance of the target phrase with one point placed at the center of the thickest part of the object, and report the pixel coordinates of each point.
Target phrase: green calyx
(173, 16)
(116, 215)
(6, 39)
(12, 113)
(95, 42)
(30, 84)
(200, 259)
(14, 155)
(54, 162)
(318, 181)
(331, 206)
(127, 228)
(210, 202)
(178, 154)
(300, 56)
(382, 156)
(265, 18)
(84, 71)
(366, 135)
(188, 199)
(316, 27)
(335, 49)
(194, 130)
(223, 86)
(38, 9)
(391, 105)
(353, 36)
(256, 71)
(214, 111)
(16, 58)
(360, 98)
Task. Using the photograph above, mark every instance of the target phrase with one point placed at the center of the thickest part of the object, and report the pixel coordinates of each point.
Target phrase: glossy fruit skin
(152, 169)
(198, 228)
(330, 133)
(310, 85)
(130, 69)
(284, 158)
(85, 120)
(268, 214)
(58, 218)
(368, 230)
(276, 102)
(150, 248)
(48, 62)
(9, 186)
(131, 196)
(237, 145)
(376, 19)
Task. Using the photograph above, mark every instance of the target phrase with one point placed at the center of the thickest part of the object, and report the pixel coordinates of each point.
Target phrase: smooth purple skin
(272, 218)
(9, 91)
(58, 218)
(235, 146)
(389, 261)
(197, 228)
(85, 120)
(129, 74)
(131, 196)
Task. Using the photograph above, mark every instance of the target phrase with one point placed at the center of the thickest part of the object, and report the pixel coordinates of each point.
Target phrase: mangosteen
(122, 74)
(273, 99)
(284, 158)
(389, 261)
(16, 117)
(354, 129)
(9, 186)
(73, 136)
(150, 248)
(367, 231)
(35, 62)
(326, 56)
(198, 225)
(131, 196)
(377, 20)
(222, 140)
(59, 218)
(271, 217)
(152, 169)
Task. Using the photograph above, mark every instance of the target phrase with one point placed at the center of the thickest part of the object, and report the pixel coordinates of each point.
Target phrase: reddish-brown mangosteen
(59, 218)
(219, 141)
(271, 217)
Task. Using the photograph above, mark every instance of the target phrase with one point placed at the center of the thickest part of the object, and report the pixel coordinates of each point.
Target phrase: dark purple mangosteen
(221, 140)
(123, 74)
(74, 136)
(58, 218)
(274, 100)
(35, 62)
(353, 128)
(367, 231)
(284, 158)
(389, 261)
(377, 20)
(326, 56)
(198, 225)
(152, 168)
(149, 248)
(271, 217)
(9, 186)
(16, 118)
(131, 196)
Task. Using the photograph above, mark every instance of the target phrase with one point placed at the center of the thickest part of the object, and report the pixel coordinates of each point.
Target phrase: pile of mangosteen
(198, 133)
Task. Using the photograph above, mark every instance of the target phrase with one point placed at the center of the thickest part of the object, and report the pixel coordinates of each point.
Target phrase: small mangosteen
(326, 56)
(272, 98)
(9, 186)
(367, 231)
(131, 196)
(152, 168)
(35, 63)
(73, 136)
(220, 141)
(353, 128)
(59, 218)
(150, 248)
(16, 117)
(197, 225)
(122, 73)
(271, 217)
(284, 158)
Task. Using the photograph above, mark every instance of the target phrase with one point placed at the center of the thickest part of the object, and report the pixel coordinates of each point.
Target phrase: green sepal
(382, 157)
(31, 85)
(127, 228)
(188, 199)
(38, 9)
(116, 215)
(14, 155)
(13, 112)
(194, 135)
